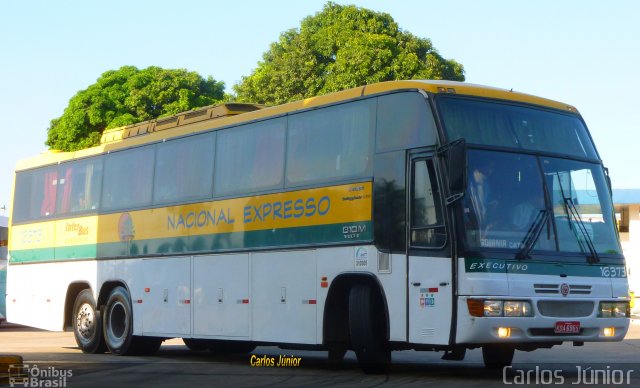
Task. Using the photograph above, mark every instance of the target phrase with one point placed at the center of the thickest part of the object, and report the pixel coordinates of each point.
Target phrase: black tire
(366, 327)
(335, 355)
(87, 324)
(196, 344)
(496, 356)
(231, 347)
(118, 322)
(145, 346)
(117, 327)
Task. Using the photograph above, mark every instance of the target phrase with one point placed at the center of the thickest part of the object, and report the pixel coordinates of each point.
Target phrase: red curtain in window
(66, 191)
(48, 206)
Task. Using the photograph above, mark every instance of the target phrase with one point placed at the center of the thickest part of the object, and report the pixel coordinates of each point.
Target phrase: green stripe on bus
(544, 268)
(353, 232)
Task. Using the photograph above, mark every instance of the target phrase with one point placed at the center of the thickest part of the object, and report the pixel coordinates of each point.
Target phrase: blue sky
(581, 52)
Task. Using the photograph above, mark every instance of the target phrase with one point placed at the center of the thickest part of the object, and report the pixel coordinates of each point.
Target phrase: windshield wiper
(533, 234)
(573, 213)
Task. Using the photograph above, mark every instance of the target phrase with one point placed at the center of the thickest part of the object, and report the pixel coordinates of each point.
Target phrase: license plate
(567, 327)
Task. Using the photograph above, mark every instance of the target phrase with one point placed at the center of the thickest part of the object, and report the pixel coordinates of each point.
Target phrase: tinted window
(330, 143)
(184, 169)
(404, 121)
(490, 123)
(79, 186)
(390, 201)
(250, 158)
(427, 221)
(581, 203)
(128, 177)
(35, 194)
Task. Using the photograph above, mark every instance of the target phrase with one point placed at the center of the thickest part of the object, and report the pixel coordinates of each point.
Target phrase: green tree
(338, 48)
(127, 96)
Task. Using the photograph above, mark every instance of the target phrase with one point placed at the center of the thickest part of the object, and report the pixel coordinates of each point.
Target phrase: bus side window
(79, 186)
(330, 143)
(184, 169)
(128, 178)
(35, 194)
(427, 221)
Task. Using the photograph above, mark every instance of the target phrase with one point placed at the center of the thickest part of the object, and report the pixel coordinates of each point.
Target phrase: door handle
(416, 284)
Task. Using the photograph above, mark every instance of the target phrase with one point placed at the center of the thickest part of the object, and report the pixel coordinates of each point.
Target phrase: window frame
(119, 208)
(439, 205)
(97, 160)
(248, 127)
(185, 199)
(368, 168)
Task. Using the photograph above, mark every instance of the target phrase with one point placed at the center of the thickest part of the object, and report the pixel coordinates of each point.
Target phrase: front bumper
(538, 328)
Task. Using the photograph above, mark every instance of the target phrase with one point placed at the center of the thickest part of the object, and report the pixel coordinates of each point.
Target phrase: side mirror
(455, 155)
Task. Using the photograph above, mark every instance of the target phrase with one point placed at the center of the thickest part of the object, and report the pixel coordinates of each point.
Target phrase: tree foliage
(338, 48)
(127, 96)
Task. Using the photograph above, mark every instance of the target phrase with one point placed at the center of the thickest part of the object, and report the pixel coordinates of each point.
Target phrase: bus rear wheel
(366, 328)
(87, 323)
(496, 356)
(118, 327)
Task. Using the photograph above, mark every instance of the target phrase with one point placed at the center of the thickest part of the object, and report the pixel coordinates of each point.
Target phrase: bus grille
(565, 309)
(574, 289)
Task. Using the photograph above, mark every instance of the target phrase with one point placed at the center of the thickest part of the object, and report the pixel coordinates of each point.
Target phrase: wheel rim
(85, 322)
(118, 322)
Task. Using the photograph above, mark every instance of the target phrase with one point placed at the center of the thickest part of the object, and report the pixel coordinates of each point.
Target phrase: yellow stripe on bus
(311, 207)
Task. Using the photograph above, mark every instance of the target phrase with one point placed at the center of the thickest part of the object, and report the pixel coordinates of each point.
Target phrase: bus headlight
(614, 310)
(492, 308)
(499, 308)
(517, 309)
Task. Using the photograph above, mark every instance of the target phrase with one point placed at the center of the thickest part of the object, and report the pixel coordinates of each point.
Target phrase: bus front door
(430, 267)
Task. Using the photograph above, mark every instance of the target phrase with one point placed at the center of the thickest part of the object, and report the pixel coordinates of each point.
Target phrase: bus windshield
(529, 203)
(489, 123)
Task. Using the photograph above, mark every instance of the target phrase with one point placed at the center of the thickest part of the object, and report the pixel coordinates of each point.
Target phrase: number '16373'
(613, 272)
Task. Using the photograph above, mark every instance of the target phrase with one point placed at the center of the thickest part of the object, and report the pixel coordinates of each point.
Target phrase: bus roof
(212, 117)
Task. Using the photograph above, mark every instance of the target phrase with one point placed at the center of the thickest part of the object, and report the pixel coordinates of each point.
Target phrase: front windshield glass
(514, 126)
(506, 207)
(580, 186)
(504, 196)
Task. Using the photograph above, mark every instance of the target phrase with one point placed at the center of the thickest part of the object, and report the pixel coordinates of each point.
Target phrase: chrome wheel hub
(85, 321)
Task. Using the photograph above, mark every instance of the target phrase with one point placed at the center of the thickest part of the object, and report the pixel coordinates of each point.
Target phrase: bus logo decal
(362, 258)
(353, 231)
(126, 231)
(564, 289)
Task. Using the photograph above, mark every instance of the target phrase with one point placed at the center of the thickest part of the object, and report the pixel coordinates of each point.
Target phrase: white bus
(424, 215)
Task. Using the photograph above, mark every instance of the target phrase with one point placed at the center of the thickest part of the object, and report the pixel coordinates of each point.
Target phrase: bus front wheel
(366, 328)
(496, 356)
(87, 323)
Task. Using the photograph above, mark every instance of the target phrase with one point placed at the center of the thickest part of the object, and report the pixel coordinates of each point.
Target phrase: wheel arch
(73, 289)
(335, 321)
(106, 289)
